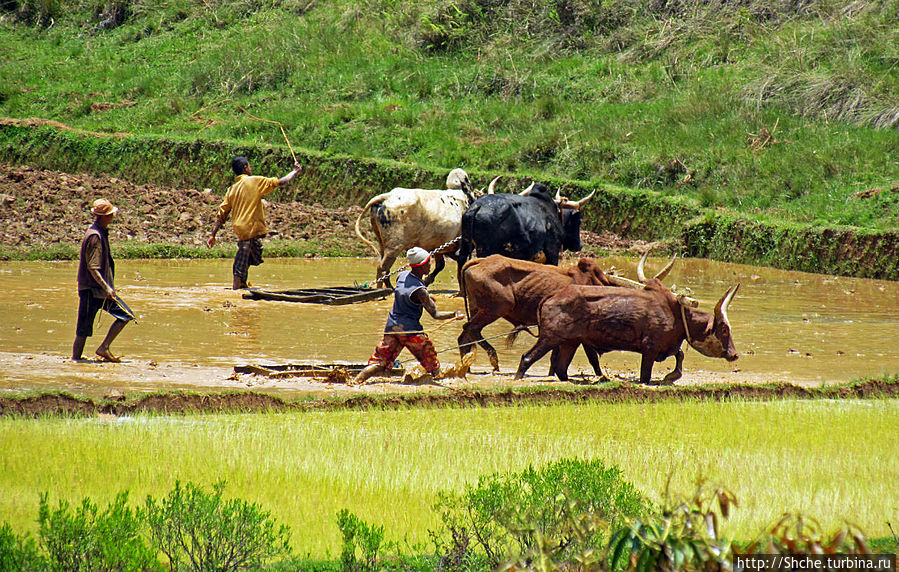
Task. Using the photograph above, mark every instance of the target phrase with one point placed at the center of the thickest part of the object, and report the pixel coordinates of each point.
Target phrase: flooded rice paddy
(192, 330)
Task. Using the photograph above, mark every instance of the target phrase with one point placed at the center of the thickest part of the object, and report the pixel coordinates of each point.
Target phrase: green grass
(610, 91)
(833, 460)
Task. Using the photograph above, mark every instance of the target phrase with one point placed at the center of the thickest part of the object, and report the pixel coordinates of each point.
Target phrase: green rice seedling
(388, 466)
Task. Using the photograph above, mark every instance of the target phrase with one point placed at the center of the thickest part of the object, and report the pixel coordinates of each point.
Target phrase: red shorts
(419, 344)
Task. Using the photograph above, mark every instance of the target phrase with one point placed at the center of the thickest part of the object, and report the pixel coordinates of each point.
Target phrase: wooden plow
(329, 371)
(335, 296)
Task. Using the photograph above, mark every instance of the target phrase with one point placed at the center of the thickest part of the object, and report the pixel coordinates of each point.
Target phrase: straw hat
(417, 256)
(103, 207)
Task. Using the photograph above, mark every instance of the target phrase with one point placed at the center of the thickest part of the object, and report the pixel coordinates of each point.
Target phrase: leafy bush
(359, 537)
(560, 509)
(19, 552)
(87, 539)
(197, 530)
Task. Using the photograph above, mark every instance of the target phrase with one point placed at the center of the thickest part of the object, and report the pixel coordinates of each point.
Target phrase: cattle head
(715, 341)
(571, 230)
(571, 220)
(458, 180)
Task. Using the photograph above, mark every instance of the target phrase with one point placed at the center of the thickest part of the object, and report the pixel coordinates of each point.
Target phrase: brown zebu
(652, 322)
(498, 287)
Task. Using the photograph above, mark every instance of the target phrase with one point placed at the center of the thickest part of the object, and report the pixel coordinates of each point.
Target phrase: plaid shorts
(419, 344)
(249, 253)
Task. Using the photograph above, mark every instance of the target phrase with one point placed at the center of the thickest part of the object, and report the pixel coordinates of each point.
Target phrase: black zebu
(530, 226)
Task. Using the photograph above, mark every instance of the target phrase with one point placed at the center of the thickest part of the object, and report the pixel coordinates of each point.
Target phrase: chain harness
(439, 249)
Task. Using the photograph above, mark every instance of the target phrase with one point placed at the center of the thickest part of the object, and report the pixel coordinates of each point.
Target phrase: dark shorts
(249, 253)
(88, 306)
(419, 344)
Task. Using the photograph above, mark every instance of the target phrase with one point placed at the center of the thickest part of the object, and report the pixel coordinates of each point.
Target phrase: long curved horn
(581, 202)
(640, 275)
(664, 271)
(527, 191)
(491, 188)
(558, 195)
(724, 302)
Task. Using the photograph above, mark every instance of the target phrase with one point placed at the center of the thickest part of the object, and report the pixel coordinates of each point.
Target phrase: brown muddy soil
(248, 401)
(42, 208)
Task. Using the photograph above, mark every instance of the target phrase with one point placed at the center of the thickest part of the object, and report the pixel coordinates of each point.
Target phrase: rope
(284, 133)
(513, 330)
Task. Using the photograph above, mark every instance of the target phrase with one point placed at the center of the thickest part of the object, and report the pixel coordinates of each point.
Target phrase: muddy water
(192, 330)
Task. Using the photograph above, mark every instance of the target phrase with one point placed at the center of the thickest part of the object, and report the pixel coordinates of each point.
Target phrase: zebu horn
(580, 203)
(724, 302)
(527, 191)
(558, 198)
(491, 188)
(663, 273)
(640, 275)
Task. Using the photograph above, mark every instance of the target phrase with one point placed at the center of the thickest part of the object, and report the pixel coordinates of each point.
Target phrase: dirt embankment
(42, 208)
(176, 402)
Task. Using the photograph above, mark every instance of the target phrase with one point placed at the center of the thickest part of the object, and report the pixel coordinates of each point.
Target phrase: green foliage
(588, 90)
(19, 552)
(87, 539)
(199, 531)
(360, 539)
(682, 535)
(537, 509)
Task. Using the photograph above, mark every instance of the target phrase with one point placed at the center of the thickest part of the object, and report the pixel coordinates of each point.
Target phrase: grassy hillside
(780, 110)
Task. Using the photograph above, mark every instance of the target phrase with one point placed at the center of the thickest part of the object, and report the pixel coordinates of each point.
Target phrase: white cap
(417, 256)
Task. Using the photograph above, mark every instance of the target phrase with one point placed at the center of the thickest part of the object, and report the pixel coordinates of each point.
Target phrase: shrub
(359, 537)
(197, 530)
(87, 539)
(19, 552)
(560, 509)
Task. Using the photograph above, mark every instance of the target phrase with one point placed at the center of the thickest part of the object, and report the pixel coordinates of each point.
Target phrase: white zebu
(426, 218)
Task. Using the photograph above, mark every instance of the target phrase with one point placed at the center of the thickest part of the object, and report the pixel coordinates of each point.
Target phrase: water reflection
(801, 326)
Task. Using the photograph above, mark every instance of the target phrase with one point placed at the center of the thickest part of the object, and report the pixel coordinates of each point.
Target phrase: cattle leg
(678, 370)
(439, 263)
(540, 349)
(646, 368)
(561, 359)
(387, 260)
(593, 358)
(471, 332)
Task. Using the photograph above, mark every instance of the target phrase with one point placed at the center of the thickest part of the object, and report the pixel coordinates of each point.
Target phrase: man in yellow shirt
(243, 202)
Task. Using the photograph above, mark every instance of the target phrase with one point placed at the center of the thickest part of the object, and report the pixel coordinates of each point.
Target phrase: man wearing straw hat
(96, 271)
(403, 328)
(243, 202)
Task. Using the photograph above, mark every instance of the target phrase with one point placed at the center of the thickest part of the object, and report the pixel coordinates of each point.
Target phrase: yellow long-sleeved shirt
(244, 202)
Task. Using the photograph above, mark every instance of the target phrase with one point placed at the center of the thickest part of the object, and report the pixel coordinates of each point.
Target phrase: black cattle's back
(514, 226)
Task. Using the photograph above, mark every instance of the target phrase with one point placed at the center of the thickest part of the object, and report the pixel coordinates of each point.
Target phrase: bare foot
(106, 355)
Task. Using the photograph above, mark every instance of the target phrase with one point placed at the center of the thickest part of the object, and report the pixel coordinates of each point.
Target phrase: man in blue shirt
(403, 328)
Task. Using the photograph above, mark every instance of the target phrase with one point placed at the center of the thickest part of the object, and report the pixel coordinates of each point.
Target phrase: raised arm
(289, 176)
